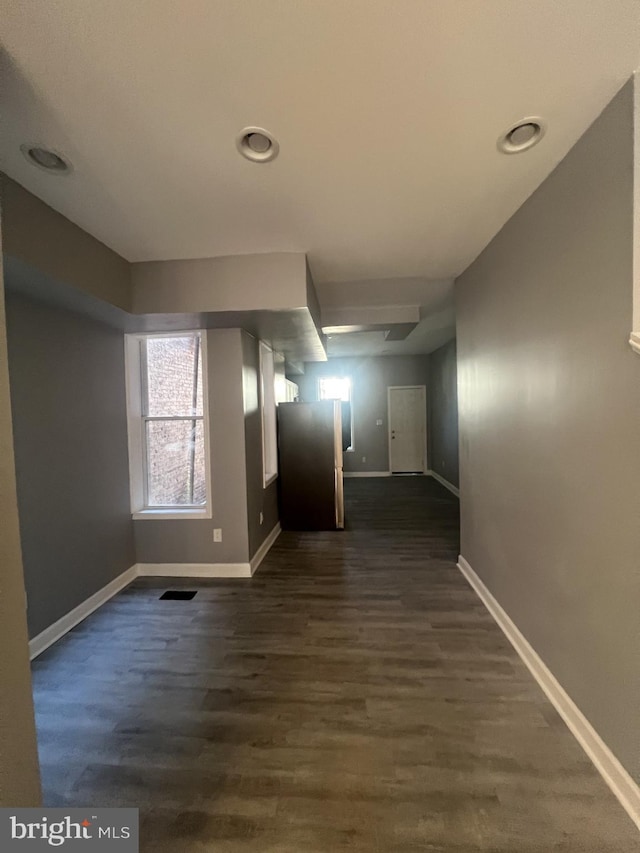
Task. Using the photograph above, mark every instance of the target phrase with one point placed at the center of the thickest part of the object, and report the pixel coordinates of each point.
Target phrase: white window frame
(352, 446)
(268, 416)
(136, 421)
(634, 339)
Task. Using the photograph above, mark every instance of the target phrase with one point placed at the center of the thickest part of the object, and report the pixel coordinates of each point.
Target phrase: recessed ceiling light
(257, 144)
(522, 135)
(46, 159)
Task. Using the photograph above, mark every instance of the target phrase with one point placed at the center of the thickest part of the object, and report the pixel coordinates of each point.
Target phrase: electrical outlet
(364, 458)
(379, 422)
(261, 518)
(217, 534)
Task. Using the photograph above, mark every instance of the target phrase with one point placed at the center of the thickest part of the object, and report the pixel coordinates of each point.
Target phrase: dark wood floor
(354, 695)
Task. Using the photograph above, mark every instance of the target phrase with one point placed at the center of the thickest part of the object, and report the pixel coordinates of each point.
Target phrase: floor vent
(178, 595)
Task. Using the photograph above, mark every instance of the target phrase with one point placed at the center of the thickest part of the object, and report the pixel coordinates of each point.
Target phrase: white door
(407, 429)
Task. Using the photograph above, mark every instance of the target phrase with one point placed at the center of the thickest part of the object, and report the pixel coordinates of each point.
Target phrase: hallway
(354, 695)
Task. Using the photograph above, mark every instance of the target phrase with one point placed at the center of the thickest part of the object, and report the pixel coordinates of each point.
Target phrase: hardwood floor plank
(354, 695)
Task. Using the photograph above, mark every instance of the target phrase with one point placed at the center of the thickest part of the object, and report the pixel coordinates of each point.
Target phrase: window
(339, 388)
(335, 388)
(268, 412)
(168, 445)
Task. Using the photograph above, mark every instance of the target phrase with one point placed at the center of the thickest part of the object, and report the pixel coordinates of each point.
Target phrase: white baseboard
(349, 474)
(165, 570)
(611, 770)
(453, 489)
(49, 636)
(193, 570)
(263, 550)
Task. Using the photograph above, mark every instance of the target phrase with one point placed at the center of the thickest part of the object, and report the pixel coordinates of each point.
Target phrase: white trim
(132, 381)
(193, 570)
(59, 628)
(425, 461)
(366, 473)
(453, 489)
(171, 514)
(617, 778)
(204, 355)
(54, 632)
(268, 414)
(634, 339)
(264, 549)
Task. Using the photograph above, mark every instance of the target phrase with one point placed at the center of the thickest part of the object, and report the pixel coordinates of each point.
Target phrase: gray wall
(442, 393)
(550, 426)
(70, 432)
(19, 773)
(370, 377)
(259, 499)
(191, 540)
(272, 281)
(50, 243)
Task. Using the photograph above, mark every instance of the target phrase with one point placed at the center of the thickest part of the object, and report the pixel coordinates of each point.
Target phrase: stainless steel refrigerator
(310, 465)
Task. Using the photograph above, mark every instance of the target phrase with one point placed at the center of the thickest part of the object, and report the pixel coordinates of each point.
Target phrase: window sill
(271, 479)
(171, 514)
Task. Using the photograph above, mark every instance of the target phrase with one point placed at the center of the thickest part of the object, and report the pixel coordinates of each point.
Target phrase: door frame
(423, 388)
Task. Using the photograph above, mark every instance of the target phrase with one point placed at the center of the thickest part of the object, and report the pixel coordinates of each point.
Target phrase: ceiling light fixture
(46, 159)
(257, 144)
(522, 135)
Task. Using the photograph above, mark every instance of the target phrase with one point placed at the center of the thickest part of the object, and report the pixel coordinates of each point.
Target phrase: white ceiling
(432, 332)
(433, 298)
(387, 114)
